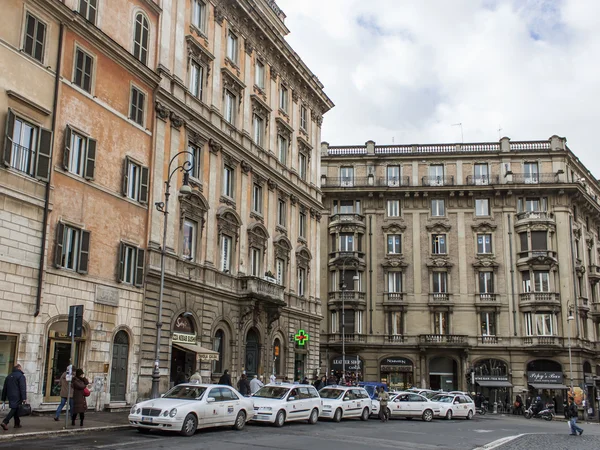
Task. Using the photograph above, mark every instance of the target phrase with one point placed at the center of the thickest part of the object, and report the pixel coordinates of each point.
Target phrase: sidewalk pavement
(45, 425)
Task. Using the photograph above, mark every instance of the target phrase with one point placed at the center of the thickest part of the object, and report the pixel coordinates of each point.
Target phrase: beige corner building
(462, 266)
(239, 109)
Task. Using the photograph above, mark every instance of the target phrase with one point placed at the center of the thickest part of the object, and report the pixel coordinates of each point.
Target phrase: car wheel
(240, 421)
(144, 430)
(338, 415)
(449, 415)
(190, 425)
(470, 415)
(365, 415)
(280, 419)
(314, 416)
(548, 417)
(427, 415)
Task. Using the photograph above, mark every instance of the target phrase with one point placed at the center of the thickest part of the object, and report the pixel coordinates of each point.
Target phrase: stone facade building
(462, 263)
(242, 262)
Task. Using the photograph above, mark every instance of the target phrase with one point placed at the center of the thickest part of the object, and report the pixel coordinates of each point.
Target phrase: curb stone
(6, 437)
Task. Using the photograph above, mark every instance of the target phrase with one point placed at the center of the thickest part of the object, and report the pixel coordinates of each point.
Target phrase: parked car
(425, 392)
(278, 403)
(340, 402)
(410, 405)
(188, 407)
(455, 405)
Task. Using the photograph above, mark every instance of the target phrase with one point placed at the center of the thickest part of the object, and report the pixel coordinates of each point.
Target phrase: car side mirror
(210, 400)
(290, 399)
(346, 399)
(456, 402)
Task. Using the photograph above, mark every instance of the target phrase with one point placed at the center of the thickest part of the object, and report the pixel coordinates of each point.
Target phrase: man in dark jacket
(225, 378)
(15, 391)
(244, 385)
(573, 413)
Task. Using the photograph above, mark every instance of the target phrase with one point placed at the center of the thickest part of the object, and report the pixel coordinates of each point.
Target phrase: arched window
(218, 346)
(140, 38)
(277, 356)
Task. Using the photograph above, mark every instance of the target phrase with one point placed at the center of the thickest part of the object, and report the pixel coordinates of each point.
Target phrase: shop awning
(548, 386)
(494, 383)
(203, 353)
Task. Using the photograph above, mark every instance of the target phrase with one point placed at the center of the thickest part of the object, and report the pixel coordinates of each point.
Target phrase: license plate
(147, 419)
(260, 417)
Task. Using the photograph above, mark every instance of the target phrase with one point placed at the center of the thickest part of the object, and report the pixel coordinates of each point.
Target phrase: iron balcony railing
(483, 180)
(345, 182)
(347, 217)
(535, 178)
(22, 158)
(443, 180)
(443, 339)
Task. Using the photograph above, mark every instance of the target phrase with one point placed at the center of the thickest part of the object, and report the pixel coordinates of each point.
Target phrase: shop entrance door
(299, 361)
(252, 353)
(59, 354)
(183, 364)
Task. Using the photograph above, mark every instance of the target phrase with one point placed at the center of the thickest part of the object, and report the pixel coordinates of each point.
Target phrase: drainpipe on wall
(512, 275)
(38, 299)
(370, 276)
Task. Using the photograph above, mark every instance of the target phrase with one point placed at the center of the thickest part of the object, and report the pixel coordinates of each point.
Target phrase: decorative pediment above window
(196, 138)
(230, 160)
(576, 231)
(484, 227)
(232, 83)
(260, 108)
(485, 262)
(394, 261)
(439, 262)
(590, 242)
(193, 206)
(258, 178)
(228, 221)
(214, 146)
(303, 256)
(304, 146)
(257, 235)
(198, 53)
(438, 227)
(282, 194)
(394, 228)
(282, 246)
(283, 128)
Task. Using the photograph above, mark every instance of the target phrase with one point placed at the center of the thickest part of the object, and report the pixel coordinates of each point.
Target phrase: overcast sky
(404, 72)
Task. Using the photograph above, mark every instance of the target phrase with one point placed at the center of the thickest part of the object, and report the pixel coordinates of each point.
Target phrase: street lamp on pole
(570, 317)
(163, 207)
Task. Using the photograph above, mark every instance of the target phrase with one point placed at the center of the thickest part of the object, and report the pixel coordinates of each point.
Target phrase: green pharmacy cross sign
(301, 337)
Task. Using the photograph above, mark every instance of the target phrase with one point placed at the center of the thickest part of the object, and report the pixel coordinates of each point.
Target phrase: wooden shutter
(144, 185)
(58, 250)
(84, 252)
(67, 150)
(90, 160)
(8, 137)
(125, 175)
(44, 155)
(139, 269)
(121, 266)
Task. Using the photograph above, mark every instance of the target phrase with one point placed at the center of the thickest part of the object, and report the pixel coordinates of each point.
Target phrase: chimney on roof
(558, 143)
(505, 144)
(370, 147)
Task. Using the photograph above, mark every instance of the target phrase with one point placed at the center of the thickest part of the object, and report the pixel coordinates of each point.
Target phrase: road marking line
(498, 442)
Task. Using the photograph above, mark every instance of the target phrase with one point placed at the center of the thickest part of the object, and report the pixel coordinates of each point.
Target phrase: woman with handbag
(80, 392)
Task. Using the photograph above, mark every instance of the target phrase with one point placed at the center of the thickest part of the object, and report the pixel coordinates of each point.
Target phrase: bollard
(495, 408)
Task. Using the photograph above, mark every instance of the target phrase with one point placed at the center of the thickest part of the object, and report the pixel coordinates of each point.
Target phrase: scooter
(482, 409)
(546, 414)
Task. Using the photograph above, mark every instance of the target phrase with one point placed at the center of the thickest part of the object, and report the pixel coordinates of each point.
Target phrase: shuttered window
(79, 154)
(131, 264)
(35, 37)
(72, 248)
(135, 181)
(140, 38)
(83, 71)
(137, 106)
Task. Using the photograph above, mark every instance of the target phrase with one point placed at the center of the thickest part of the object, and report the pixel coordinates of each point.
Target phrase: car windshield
(430, 395)
(186, 392)
(443, 398)
(331, 393)
(271, 392)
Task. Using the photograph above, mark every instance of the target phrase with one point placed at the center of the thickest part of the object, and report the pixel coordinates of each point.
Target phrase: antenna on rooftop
(462, 137)
(392, 139)
(499, 131)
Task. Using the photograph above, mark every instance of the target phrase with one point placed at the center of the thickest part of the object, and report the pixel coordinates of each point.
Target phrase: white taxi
(411, 404)
(278, 403)
(188, 407)
(455, 405)
(344, 402)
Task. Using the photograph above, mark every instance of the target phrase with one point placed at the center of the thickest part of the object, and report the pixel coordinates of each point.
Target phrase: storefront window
(397, 372)
(8, 347)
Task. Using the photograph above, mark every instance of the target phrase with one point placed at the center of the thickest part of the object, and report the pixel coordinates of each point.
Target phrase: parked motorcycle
(546, 414)
(482, 409)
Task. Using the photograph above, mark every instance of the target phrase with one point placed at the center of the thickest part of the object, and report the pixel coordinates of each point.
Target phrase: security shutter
(44, 155)
(60, 235)
(84, 252)
(8, 141)
(144, 185)
(125, 175)
(90, 160)
(67, 150)
(139, 269)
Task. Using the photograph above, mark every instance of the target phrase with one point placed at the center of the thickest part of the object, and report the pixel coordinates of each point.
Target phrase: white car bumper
(263, 416)
(327, 413)
(156, 423)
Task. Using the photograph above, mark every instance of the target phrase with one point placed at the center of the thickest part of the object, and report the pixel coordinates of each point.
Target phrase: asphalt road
(349, 434)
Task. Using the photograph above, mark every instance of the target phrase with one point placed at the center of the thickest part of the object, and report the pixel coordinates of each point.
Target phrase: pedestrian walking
(225, 378)
(64, 394)
(196, 378)
(305, 380)
(383, 398)
(256, 384)
(80, 392)
(15, 391)
(244, 385)
(573, 413)
(272, 378)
